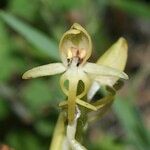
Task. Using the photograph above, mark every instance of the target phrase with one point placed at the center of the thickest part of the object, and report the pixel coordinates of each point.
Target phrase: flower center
(75, 56)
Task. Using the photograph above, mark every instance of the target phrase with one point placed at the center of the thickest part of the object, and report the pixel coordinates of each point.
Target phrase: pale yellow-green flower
(75, 49)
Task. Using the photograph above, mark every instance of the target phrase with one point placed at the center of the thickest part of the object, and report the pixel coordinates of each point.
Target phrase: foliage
(29, 35)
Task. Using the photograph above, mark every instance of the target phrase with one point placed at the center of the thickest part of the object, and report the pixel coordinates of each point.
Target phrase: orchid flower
(75, 48)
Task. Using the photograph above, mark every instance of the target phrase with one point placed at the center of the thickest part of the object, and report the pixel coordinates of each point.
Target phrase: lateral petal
(102, 70)
(45, 70)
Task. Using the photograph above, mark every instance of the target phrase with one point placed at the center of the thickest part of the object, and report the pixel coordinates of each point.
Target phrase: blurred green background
(29, 35)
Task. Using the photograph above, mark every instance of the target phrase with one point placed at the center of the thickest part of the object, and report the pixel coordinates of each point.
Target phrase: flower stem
(59, 133)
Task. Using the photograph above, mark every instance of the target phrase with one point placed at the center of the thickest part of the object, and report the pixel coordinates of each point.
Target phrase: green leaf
(32, 35)
(107, 142)
(6, 64)
(4, 40)
(132, 123)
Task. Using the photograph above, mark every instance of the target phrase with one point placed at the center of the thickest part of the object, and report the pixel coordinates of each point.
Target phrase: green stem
(80, 125)
(59, 133)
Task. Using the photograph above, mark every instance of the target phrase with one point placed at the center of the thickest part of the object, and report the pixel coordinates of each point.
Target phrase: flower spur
(75, 49)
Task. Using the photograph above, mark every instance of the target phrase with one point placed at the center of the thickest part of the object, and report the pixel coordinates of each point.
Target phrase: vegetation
(30, 32)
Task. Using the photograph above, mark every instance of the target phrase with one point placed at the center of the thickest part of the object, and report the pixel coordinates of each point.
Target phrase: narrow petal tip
(123, 43)
(125, 76)
(26, 76)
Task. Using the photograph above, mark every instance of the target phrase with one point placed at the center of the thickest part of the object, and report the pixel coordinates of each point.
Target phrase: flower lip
(75, 44)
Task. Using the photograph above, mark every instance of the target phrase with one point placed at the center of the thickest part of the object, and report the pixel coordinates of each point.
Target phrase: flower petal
(76, 41)
(45, 70)
(101, 70)
(93, 89)
(115, 57)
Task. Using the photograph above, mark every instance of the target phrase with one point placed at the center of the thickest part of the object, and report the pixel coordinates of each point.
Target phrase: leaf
(108, 143)
(6, 64)
(32, 35)
(4, 40)
(132, 123)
